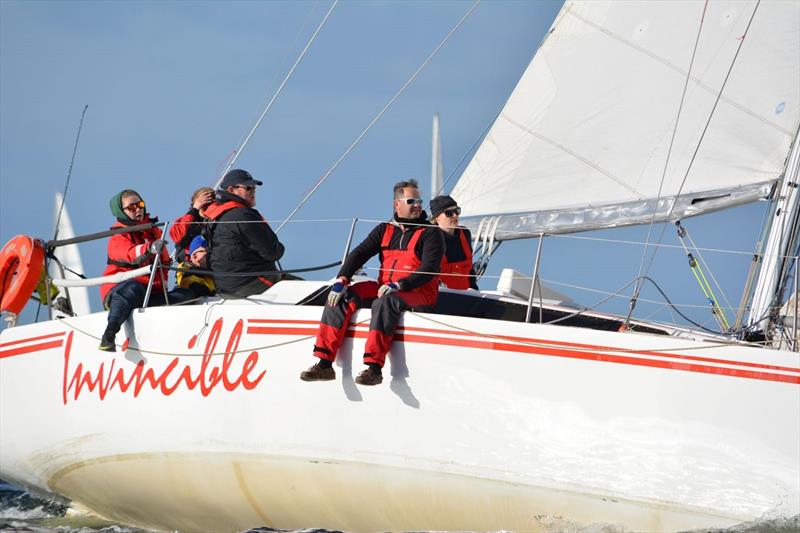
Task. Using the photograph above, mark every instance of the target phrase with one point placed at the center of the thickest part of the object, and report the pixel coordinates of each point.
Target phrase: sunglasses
(452, 212)
(139, 205)
(413, 201)
(248, 188)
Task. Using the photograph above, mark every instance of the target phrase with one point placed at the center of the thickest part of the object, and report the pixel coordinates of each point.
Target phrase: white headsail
(583, 140)
(70, 258)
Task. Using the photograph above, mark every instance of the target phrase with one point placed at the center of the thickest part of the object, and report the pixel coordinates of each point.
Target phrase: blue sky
(173, 87)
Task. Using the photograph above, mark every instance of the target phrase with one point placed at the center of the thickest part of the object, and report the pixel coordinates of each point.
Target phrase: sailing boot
(108, 342)
(322, 370)
(370, 375)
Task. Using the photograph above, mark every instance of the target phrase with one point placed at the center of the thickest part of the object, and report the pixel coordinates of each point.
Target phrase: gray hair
(400, 185)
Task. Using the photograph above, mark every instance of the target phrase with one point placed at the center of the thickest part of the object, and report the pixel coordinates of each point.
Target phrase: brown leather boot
(370, 376)
(318, 372)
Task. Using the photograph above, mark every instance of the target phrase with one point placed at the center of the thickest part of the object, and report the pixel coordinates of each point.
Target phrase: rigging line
(710, 271)
(669, 302)
(277, 93)
(300, 32)
(64, 196)
(638, 287)
(637, 243)
(678, 70)
(616, 294)
(213, 354)
(705, 128)
(378, 117)
(69, 172)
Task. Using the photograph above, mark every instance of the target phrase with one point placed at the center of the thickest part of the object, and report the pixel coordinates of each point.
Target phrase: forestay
(583, 141)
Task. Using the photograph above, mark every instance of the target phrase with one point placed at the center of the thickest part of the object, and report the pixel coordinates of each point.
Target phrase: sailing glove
(337, 292)
(156, 246)
(388, 288)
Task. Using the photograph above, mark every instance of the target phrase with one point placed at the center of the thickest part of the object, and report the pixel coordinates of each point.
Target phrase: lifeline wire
(705, 129)
(378, 117)
(277, 93)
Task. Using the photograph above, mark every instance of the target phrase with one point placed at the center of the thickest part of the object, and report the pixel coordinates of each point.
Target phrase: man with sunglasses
(457, 271)
(240, 240)
(410, 252)
(129, 251)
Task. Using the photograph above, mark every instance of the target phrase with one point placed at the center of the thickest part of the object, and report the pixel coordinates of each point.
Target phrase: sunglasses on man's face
(450, 213)
(134, 205)
(413, 201)
(248, 188)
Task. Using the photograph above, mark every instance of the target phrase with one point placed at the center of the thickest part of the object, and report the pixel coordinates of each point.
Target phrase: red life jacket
(399, 264)
(215, 210)
(461, 280)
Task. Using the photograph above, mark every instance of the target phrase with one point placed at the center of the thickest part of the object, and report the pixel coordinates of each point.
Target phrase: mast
(437, 168)
(781, 246)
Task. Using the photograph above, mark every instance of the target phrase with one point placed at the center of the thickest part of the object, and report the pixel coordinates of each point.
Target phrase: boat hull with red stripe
(202, 424)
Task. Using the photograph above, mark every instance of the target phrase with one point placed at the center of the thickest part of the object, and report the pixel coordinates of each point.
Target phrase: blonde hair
(198, 192)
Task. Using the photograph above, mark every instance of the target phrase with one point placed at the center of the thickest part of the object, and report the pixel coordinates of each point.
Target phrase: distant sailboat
(69, 262)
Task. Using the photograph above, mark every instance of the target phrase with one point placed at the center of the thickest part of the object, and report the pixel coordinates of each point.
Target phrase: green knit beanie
(116, 204)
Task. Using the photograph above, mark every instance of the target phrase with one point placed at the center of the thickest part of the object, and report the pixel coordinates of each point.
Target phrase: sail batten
(591, 121)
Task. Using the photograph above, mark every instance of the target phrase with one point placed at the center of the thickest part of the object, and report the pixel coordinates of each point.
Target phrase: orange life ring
(21, 264)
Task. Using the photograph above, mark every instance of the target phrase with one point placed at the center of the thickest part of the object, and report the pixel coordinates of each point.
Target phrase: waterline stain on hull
(235, 492)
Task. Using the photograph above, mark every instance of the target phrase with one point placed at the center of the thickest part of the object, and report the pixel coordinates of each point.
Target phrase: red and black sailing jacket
(455, 274)
(129, 251)
(409, 253)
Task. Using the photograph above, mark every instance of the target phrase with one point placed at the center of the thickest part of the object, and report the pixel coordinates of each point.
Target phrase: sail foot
(572, 220)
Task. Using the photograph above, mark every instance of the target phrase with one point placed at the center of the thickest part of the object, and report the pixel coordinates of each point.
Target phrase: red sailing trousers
(386, 313)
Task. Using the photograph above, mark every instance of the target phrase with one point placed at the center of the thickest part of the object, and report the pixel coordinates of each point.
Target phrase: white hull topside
(479, 425)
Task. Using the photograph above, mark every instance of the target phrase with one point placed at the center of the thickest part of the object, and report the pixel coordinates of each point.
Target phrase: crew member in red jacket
(129, 251)
(410, 252)
(457, 271)
(188, 226)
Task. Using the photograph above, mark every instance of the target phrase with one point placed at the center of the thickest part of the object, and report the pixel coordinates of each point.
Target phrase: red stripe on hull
(559, 352)
(550, 343)
(51, 335)
(30, 349)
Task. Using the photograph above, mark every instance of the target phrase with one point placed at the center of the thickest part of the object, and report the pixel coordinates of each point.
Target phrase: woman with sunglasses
(457, 271)
(129, 251)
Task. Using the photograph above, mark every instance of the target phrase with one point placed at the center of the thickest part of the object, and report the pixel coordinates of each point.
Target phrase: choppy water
(23, 512)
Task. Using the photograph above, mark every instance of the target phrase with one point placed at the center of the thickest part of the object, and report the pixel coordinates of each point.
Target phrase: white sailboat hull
(471, 429)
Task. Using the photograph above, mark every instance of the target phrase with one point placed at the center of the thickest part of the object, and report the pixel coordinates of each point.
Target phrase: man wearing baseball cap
(240, 239)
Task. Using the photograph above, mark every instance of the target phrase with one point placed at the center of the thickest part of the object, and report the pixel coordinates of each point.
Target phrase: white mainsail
(70, 258)
(583, 141)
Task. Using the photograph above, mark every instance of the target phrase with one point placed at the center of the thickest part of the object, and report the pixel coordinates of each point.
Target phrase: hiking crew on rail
(457, 271)
(410, 252)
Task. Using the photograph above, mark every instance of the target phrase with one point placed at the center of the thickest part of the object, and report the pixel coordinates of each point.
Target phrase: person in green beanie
(129, 251)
